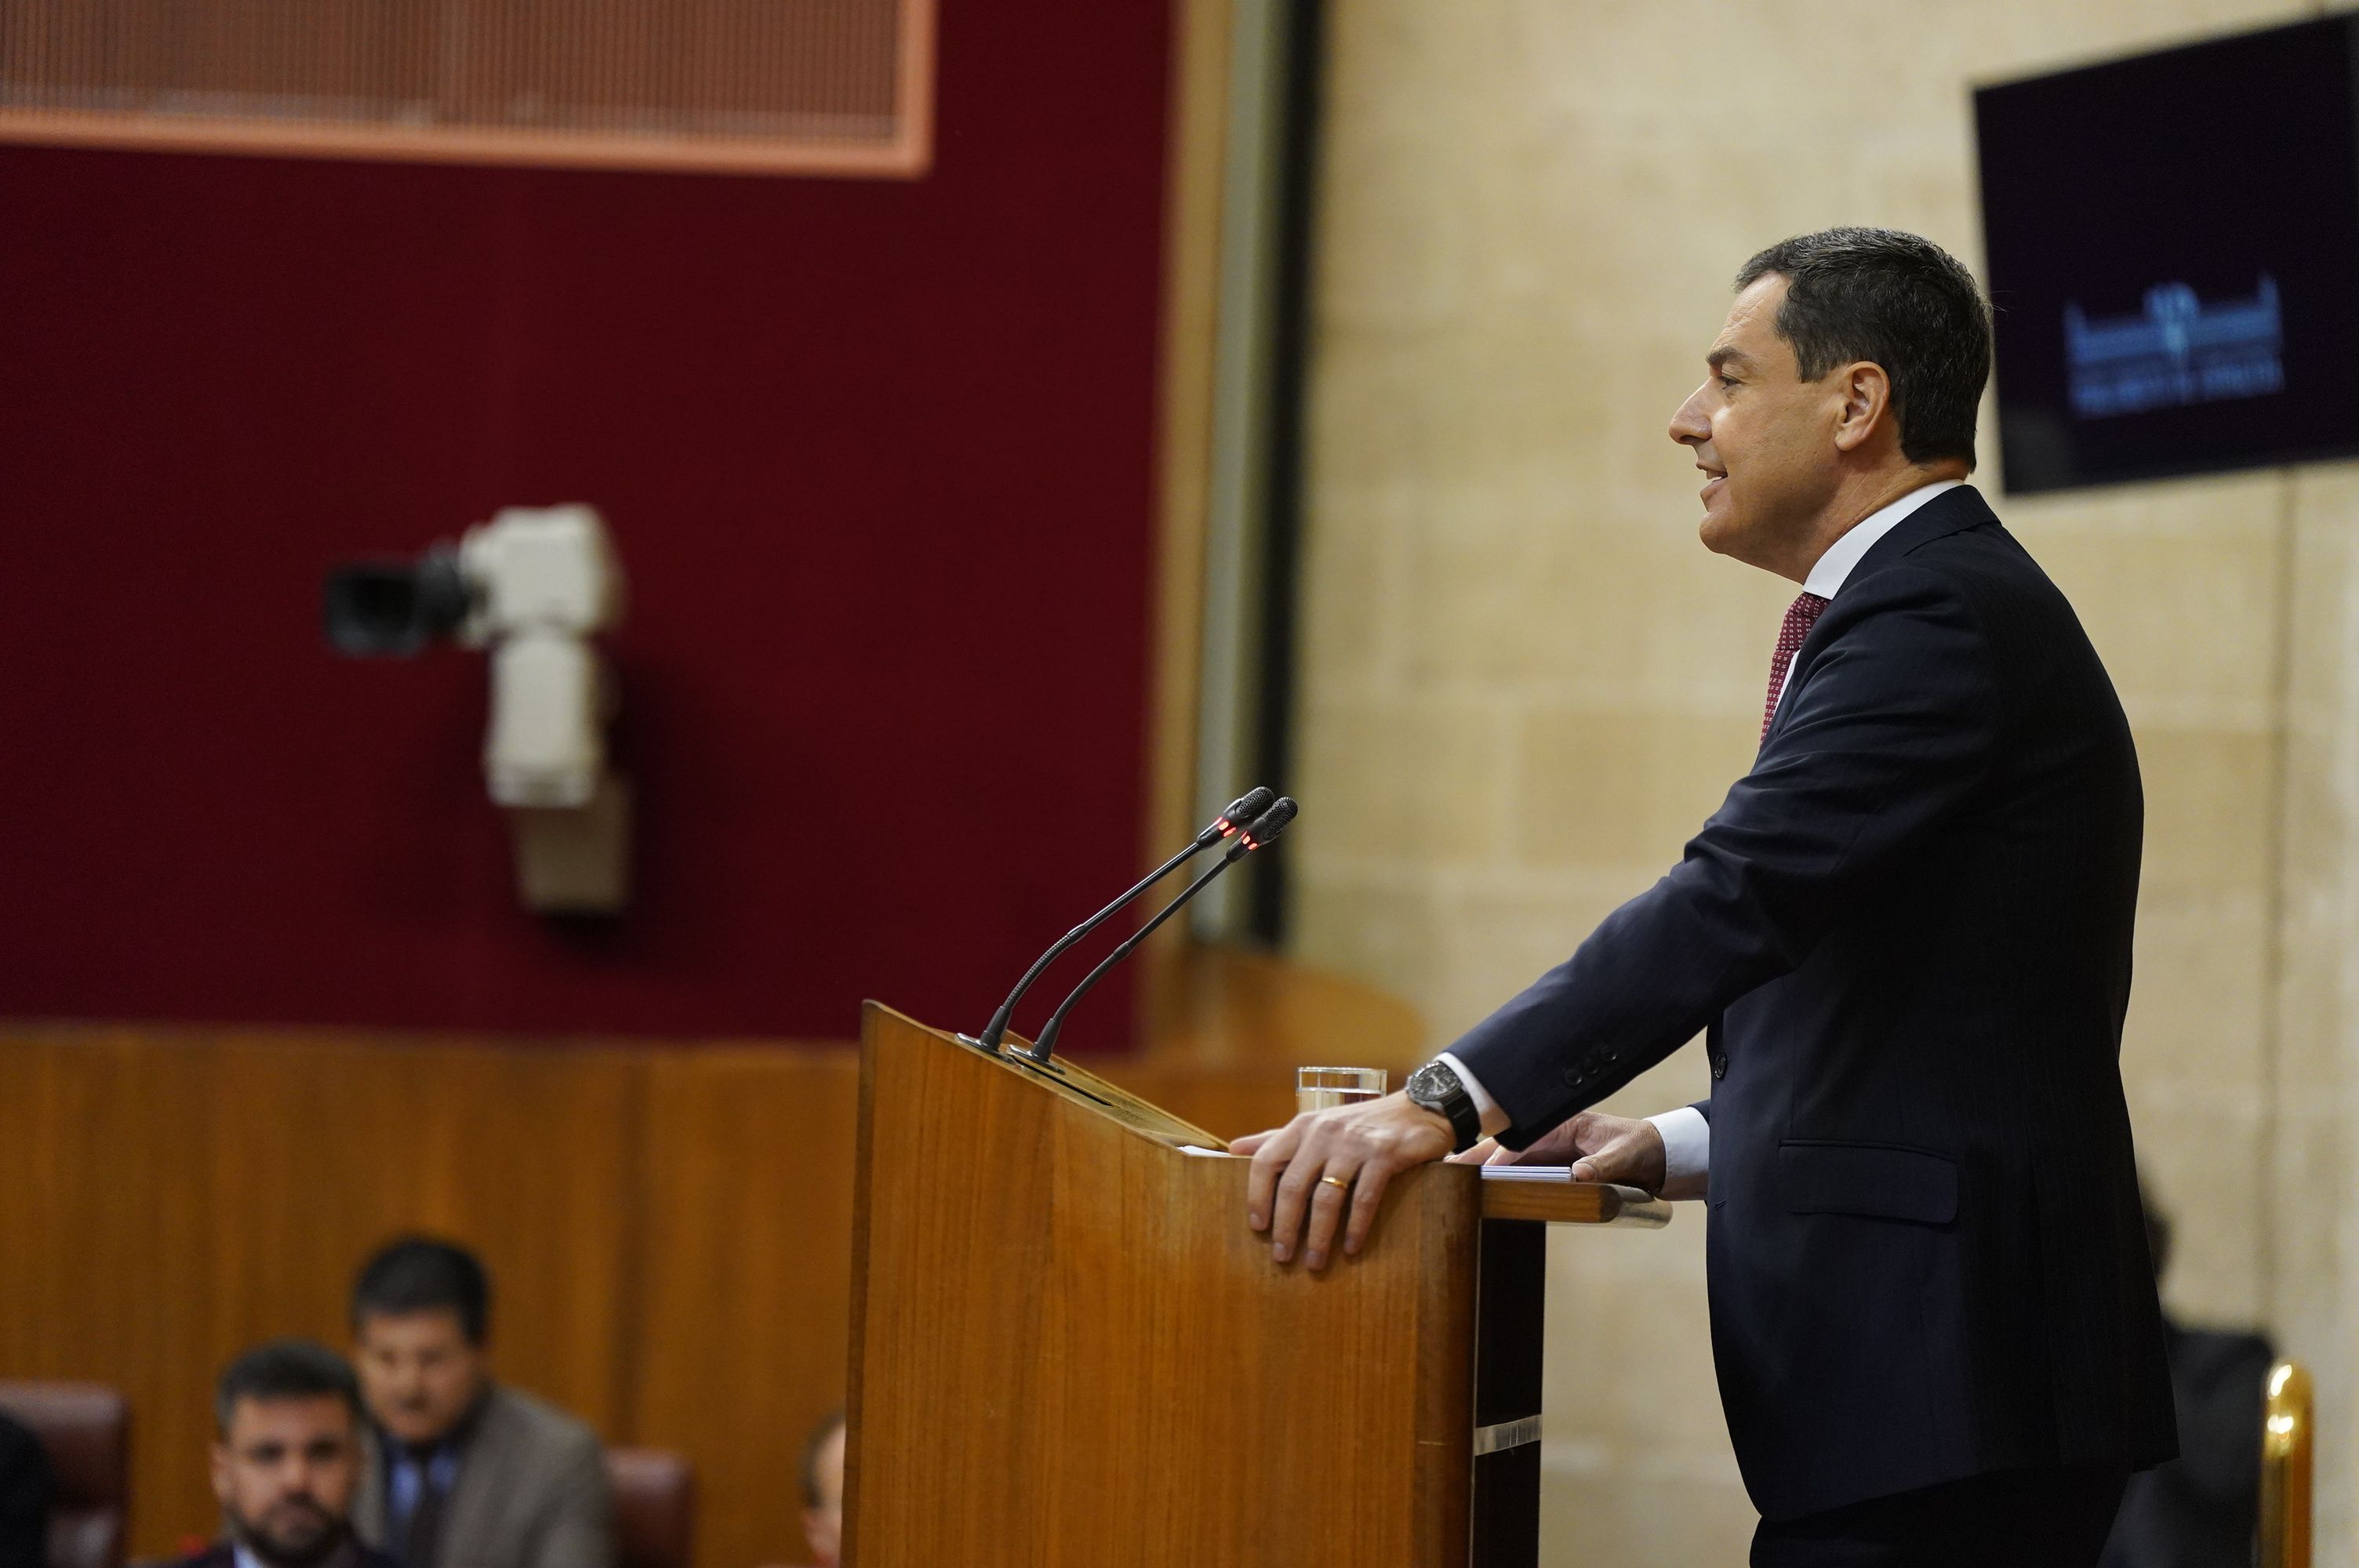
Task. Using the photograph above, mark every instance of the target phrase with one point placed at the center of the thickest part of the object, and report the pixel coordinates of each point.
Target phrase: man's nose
(1689, 426)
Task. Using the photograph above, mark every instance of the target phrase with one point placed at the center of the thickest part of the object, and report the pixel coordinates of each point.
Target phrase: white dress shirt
(1687, 1136)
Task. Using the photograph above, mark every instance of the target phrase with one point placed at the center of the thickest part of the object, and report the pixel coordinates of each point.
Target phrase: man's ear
(1866, 404)
(221, 1471)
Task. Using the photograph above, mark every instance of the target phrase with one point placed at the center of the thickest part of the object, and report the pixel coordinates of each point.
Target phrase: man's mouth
(296, 1524)
(1713, 479)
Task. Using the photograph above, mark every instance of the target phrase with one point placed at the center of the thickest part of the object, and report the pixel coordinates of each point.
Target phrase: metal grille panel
(784, 86)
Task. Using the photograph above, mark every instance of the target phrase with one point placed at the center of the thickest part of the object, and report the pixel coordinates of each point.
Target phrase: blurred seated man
(23, 1497)
(823, 1492)
(459, 1472)
(287, 1452)
(822, 1482)
(2201, 1510)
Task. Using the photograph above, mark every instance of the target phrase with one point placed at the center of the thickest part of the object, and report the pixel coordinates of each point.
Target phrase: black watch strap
(1437, 1089)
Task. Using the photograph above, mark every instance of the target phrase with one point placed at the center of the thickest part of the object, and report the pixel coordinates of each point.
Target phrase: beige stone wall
(1526, 683)
(2309, 1098)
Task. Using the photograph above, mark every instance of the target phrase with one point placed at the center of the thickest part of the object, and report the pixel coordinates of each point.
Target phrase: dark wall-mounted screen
(2173, 245)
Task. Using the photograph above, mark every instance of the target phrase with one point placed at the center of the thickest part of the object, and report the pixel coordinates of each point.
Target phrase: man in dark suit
(1906, 937)
(23, 1497)
(459, 1472)
(287, 1417)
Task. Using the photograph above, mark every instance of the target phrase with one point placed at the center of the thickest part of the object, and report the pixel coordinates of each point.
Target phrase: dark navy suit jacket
(1905, 935)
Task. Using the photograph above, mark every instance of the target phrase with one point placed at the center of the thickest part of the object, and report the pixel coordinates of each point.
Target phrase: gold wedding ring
(1337, 1181)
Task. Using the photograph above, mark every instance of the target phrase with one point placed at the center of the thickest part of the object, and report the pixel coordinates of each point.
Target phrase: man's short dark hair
(811, 1445)
(423, 1273)
(285, 1369)
(1900, 301)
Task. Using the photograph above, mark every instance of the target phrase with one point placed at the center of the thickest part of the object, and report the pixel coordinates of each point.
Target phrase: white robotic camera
(532, 587)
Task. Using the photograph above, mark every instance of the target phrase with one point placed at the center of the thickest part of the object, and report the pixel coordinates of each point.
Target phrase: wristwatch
(1437, 1089)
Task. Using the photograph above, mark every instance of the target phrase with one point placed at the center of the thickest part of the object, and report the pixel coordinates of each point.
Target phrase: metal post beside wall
(2286, 1468)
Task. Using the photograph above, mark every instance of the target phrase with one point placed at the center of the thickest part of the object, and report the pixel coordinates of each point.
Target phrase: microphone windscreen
(1271, 823)
(1248, 806)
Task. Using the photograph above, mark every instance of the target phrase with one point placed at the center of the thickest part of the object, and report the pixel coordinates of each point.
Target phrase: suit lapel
(368, 1500)
(483, 1480)
(1952, 511)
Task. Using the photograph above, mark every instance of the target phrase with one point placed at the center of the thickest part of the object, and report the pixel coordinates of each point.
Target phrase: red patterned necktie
(1800, 616)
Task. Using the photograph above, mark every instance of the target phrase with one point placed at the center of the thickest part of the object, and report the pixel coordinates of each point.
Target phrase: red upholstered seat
(85, 1430)
(655, 1507)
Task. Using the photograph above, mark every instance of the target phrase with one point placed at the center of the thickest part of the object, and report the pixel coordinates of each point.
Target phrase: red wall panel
(877, 459)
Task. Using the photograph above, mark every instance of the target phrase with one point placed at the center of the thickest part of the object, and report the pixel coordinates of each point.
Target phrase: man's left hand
(1360, 1147)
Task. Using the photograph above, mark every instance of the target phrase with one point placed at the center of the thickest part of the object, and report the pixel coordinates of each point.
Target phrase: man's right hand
(1598, 1147)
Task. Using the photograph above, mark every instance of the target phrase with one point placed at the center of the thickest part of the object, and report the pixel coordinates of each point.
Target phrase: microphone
(1254, 836)
(1247, 808)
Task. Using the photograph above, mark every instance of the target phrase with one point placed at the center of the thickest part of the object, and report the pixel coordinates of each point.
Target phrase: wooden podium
(1068, 1349)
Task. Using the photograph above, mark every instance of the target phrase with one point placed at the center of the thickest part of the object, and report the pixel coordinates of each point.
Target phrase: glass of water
(1322, 1088)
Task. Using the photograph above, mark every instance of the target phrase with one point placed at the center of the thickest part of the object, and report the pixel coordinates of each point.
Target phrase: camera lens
(394, 608)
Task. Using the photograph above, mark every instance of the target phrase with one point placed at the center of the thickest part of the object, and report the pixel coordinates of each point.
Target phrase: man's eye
(1727, 383)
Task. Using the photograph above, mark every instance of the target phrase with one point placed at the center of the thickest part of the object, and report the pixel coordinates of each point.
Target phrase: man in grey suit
(462, 1473)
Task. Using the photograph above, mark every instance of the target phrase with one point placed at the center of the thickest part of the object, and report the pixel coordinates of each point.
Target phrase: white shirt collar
(1827, 578)
(244, 1556)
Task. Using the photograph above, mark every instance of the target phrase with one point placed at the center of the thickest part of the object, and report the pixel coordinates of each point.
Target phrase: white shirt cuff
(1494, 1120)
(1686, 1145)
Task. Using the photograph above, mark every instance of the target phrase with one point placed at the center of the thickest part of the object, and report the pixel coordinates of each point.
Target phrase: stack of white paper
(1527, 1173)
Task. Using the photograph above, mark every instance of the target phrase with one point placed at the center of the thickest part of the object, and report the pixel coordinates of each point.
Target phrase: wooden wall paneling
(1225, 1101)
(1254, 1012)
(527, 1156)
(105, 1245)
(745, 1279)
(668, 1227)
(181, 1197)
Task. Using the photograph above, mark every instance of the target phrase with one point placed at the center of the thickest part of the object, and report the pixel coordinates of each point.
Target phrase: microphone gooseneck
(1246, 808)
(1254, 836)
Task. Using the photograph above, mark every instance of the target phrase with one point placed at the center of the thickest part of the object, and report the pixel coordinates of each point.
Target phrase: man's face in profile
(419, 1373)
(1763, 436)
(283, 1474)
(824, 1524)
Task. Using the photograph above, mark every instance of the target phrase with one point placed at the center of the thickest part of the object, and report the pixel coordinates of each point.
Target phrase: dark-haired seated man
(287, 1418)
(23, 1497)
(459, 1472)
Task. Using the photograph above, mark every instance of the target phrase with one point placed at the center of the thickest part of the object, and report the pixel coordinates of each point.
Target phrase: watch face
(1439, 1090)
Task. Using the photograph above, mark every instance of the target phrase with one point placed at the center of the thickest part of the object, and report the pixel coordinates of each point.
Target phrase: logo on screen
(2177, 352)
